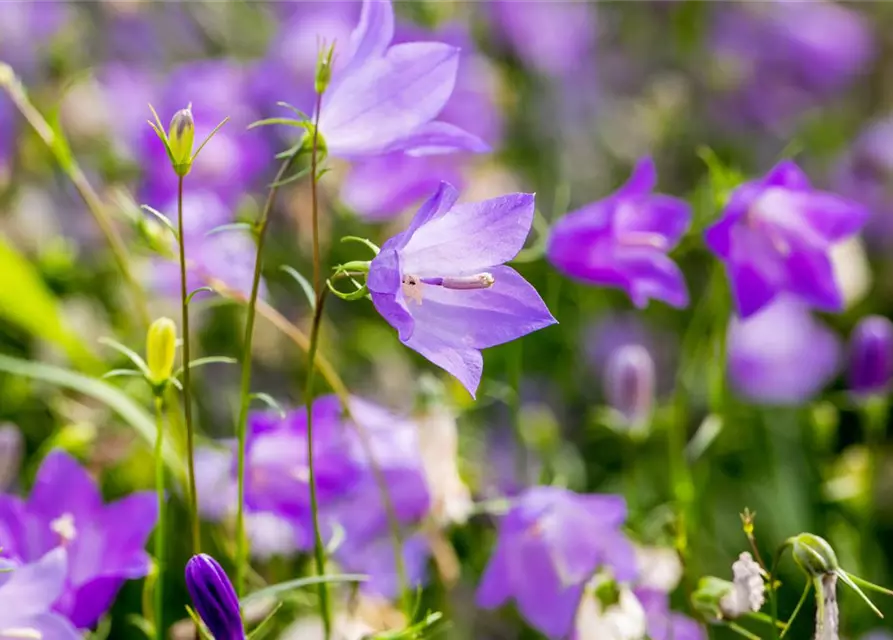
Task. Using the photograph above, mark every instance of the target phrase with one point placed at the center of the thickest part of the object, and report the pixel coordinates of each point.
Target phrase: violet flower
(27, 595)
(386, 97)
(214, 598)
(775, 235)
(623, 240)
(442, 283)
(664, 624)
(550, 544)
(871, 356)
(375, 559)
(104, 541)
(781, 355)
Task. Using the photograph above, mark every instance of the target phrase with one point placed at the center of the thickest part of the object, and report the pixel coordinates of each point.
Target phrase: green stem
(187, 387)
(797, 608)
(160, 559)
(874, 420)
(245, 386)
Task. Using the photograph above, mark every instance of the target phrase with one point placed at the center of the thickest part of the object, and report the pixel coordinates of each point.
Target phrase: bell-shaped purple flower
(386, 97)
(630, 380)
(27, 594)
(444, 286)
(105, 542)
(214, 598)
(775, 235)
(623, 240)
(871, 356)
(550, 544)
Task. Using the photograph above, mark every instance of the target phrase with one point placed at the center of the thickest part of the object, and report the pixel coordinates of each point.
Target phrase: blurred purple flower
(664, 624)
(774, 60)
(871, 356)
(781, 355)
(28, 592)
(214, 598)
(386, 97)
(443, 284)
(550, 544)
(623, 240)
(26, 28)
(630, 384)
(375, 558)
(104, 541)
(775, 236)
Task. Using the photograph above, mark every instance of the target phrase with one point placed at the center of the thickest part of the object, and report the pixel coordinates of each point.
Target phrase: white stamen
(64, 527)
(25, 633)
(477, 281)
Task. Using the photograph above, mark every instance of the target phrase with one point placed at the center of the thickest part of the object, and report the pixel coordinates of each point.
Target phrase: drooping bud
(161, 349)
(871, 356)
(181, 135)
(814, 554)
(214, 598)
(630, 384)
(10, 455)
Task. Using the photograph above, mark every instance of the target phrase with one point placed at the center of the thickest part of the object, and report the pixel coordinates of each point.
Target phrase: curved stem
(160, 559)
(797, 608)
(187, 388)
(245, 385)
(772, 590)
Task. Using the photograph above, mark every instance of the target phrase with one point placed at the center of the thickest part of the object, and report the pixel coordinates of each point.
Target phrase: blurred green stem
(873, 414)
(160, 559)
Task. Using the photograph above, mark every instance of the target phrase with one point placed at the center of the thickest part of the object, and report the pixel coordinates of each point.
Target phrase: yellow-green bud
(814, 554)
(181, 135)
(323, 69)
(161, 349)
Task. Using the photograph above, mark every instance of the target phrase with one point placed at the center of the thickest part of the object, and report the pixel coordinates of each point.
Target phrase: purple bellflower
(443, 285)
(871, 356)
(664, 624)
(104, 542)
(775, 235)
(623, 240)
(550, 544)
(214, 598)
(28, 592)
(386, 97)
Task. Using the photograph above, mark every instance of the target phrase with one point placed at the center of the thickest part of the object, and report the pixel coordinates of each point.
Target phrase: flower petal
(546, 604)
(652, 275)
(370, 110)
(465, 363)
(392, 308)
(494, 588)
(786, 174)
(435, 138)
(373, 34)
(434, 208)
(63, 486)
(32, 589)
(471, 237)
(666, 216)
(811, 277)
(52, 626)
(642, 180)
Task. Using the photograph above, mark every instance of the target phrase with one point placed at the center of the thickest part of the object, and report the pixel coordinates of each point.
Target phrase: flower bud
(214, 598)
(323, 69)
(10, 455)
(814, 554)
(181, 135)
(707, 597)
(161, 349)
(871, 356)
(629, 384)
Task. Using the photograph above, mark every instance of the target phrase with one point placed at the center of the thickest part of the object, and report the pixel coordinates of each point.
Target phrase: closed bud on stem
(324, 68)
(710, 593)
(630, 384)
(181, 136)
(814, 554)
(214, 598)
(871, 356)
(161, 349)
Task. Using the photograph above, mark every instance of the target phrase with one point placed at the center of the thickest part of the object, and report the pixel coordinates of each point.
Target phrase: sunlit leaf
(277, 590)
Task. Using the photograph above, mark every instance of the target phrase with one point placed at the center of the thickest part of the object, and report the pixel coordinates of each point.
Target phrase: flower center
(64, 527)
(412, 286)
(762, 216)
(643, 239)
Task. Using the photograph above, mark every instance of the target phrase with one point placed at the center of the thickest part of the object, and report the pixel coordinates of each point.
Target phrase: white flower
(439, 444)
(749, 590)
(624, 620)
(659, 568)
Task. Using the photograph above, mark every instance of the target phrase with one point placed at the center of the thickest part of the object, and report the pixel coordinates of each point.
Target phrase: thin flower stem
(773, 592)
(187, 387)
(797, 609)
(245, 387)
(160, 559)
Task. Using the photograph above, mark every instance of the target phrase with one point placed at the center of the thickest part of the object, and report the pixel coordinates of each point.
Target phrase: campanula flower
(28, 592)
(214, 598)
(871, 356)
(665, 624)
(550, 544)
(385, 97)
(781, 355)
(629, 384)
(443, 285)
(623, 240)
(104, 542)
(775, 235)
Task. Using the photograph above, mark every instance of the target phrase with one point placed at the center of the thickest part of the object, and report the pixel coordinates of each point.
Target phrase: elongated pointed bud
(161, 349)
(871, 356)
(214, 598)
(181, 136)
(629, 384)
(324, 69)
(814, 554)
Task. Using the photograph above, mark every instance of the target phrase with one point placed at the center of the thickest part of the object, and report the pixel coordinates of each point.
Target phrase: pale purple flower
(664, 624)
(775, 235)
(781, 355)
(871, 356)
(386, 97)
(550, 544)
(28, 593)
(442, 283)
(375, 558)
(104, 541)
(623, 240)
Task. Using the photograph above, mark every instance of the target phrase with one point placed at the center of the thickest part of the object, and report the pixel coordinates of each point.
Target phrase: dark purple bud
(629, 383)
(871, 356)
(214, 598)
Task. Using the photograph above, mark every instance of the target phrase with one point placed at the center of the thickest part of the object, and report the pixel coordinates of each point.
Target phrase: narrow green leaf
(208, 139)
(306, 287)
(233, 226)
(196, 291)
(844, 576)
(263, 626)
(296, 149)
(374, 247)
(202, 629)
(141, 623)
(163, 219)
(292, 178)
(129, 353)
(868, 585)
(122, 373)
(268, 400)
(290, 122)
(276, 590)
(359, 294)
(200, 362)
(301, 115)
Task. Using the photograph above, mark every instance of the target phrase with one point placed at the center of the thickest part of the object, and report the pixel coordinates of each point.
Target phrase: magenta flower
(623, 240)
(385, 98)
(775, 235)
(28, 592)
(104, 541)
(442, 283)
(550, 544)
(871, 356)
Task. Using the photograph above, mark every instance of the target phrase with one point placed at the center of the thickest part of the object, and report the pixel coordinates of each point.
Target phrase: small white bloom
(749, 589)
(624, 620)
(439, 445)
(659, 568)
